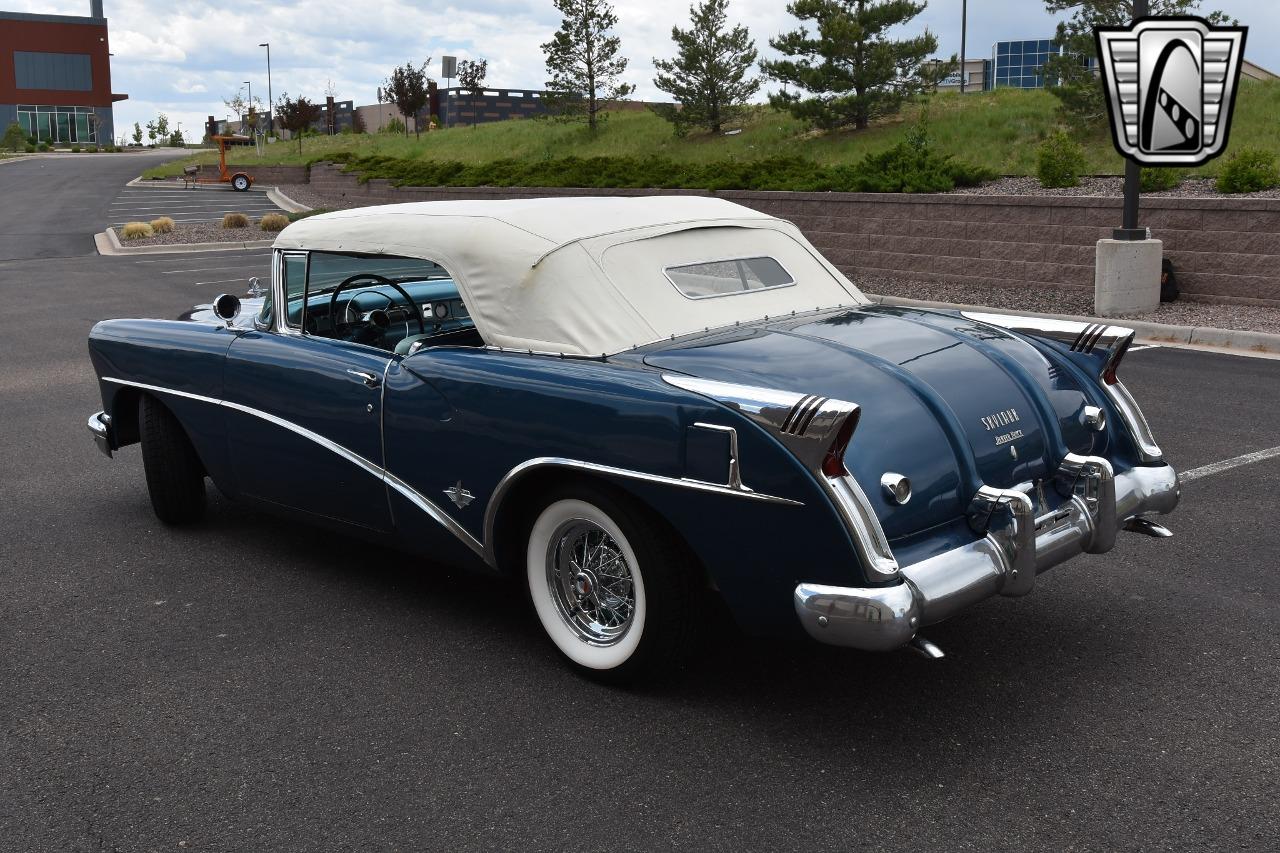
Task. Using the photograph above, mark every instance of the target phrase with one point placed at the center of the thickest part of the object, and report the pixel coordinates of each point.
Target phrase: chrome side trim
(735, 467)
(1134, 421)
(509, 479)
(805, 424)
(1079, 337)
(415, 497)
(860, 520)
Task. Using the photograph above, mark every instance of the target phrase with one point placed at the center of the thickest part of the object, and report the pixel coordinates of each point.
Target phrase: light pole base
(1130, 234)
(1127, 277)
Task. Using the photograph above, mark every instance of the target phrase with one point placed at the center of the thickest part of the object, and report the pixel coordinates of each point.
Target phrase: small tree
(14, 137)
(176, 140)
(583, 61)
(1076, 85)
(853, 72)
(296, 115)
(471, 74)
(162, 125)
(137, 133)
(407, 89)
(708, 75)
(151, 132)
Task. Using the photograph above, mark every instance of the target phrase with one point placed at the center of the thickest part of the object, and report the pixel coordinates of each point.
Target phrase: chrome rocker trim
(1016, 548)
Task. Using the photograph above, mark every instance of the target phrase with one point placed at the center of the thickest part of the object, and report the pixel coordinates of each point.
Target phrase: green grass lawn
(999, 130)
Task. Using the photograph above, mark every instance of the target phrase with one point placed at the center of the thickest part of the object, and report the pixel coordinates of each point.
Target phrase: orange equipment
(240, 181)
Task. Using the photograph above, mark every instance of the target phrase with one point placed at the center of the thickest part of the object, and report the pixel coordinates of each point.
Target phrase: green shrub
(1249, 170)
(303, 214)
(1059, 161)
(136, 231)
(273, 222)
(163, 225)
(14, 136)
(235, 220)
(1156, 179)
(44, 146)
(395, 125)
(31, 149)
(75, 149)
(903, 168)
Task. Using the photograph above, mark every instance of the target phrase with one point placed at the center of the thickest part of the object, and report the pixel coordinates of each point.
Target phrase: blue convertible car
(630, 404)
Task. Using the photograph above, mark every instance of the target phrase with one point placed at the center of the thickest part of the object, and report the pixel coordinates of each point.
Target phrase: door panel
(320, 448)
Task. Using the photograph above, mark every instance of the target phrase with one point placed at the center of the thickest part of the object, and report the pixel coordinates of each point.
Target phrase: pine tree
(583, 61)
(851, 69)
(1072, 80)
(708, 77)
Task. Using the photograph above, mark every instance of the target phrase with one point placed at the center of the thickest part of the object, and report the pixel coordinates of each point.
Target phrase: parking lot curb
(109, 244)
(1234, 340)
(282, 201)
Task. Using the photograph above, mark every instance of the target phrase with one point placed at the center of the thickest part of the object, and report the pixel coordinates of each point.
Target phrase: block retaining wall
(1227, 250)
(262, 175)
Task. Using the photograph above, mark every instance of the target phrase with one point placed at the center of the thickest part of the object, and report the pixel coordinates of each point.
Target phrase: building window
(68, 72)
(74, 125)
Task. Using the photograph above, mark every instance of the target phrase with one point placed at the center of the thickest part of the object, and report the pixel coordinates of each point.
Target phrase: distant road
(53, 205)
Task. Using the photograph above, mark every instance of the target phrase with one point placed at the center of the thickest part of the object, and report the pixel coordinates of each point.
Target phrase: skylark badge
(1171, 85)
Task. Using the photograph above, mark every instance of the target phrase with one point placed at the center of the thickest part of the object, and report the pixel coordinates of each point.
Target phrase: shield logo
(1170, 86)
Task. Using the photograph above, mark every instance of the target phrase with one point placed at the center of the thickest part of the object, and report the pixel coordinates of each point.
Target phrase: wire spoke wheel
(590, 582)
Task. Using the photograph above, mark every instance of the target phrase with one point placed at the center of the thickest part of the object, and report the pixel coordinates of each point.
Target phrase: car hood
(948, 402)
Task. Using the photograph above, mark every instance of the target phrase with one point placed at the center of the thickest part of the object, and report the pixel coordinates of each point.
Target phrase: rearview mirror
(227, 307)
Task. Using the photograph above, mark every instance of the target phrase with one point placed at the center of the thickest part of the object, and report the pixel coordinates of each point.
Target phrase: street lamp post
(964, 33)
(271, 104)
(249, 112)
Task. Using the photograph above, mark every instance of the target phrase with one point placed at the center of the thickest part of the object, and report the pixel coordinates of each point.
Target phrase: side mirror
(227, 307)
(255, 288)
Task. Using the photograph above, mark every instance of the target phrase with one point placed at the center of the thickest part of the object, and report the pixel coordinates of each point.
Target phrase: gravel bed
(1048, 300)
(1106, 187)
(304, 194)
(200, 232)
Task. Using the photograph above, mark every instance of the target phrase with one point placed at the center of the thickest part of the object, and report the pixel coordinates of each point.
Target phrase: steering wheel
(380, 280)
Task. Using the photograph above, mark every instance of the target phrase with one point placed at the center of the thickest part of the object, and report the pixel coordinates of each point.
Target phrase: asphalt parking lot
(144, 202)
(251, 685)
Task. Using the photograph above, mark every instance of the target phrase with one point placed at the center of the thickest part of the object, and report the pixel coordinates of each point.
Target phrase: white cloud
(185, 58)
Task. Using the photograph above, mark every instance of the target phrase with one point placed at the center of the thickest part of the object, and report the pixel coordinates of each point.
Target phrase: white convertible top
(585, 276)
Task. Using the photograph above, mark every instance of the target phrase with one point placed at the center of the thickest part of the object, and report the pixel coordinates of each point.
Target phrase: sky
(185, 58)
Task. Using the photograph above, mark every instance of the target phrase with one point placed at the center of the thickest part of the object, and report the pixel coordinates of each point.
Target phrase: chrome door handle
(373, 380)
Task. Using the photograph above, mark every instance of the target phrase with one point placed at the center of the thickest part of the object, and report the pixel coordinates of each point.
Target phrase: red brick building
(55, 76)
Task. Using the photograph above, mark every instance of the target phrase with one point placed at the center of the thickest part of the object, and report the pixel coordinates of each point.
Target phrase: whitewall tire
(612, 589)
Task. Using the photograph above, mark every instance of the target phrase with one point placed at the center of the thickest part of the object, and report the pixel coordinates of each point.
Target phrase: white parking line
(219, 281)
(203, 269)
(1228, 464)
(1138, 347)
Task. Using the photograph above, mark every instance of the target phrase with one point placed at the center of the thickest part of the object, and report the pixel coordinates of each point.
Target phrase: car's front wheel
(613, 589)
(175, 474)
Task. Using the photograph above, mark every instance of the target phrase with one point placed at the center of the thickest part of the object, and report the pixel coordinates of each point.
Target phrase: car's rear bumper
(1017, 546)
(100, 428)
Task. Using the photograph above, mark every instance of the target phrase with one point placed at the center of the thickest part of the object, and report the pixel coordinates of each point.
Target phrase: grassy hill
(999, 130)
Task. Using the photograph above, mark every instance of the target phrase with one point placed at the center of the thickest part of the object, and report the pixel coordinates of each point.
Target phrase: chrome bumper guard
(99, 427)
(1016, 547)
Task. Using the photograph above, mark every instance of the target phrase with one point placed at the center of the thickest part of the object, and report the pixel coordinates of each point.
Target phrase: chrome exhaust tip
(924, 648)
(1147, 527)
